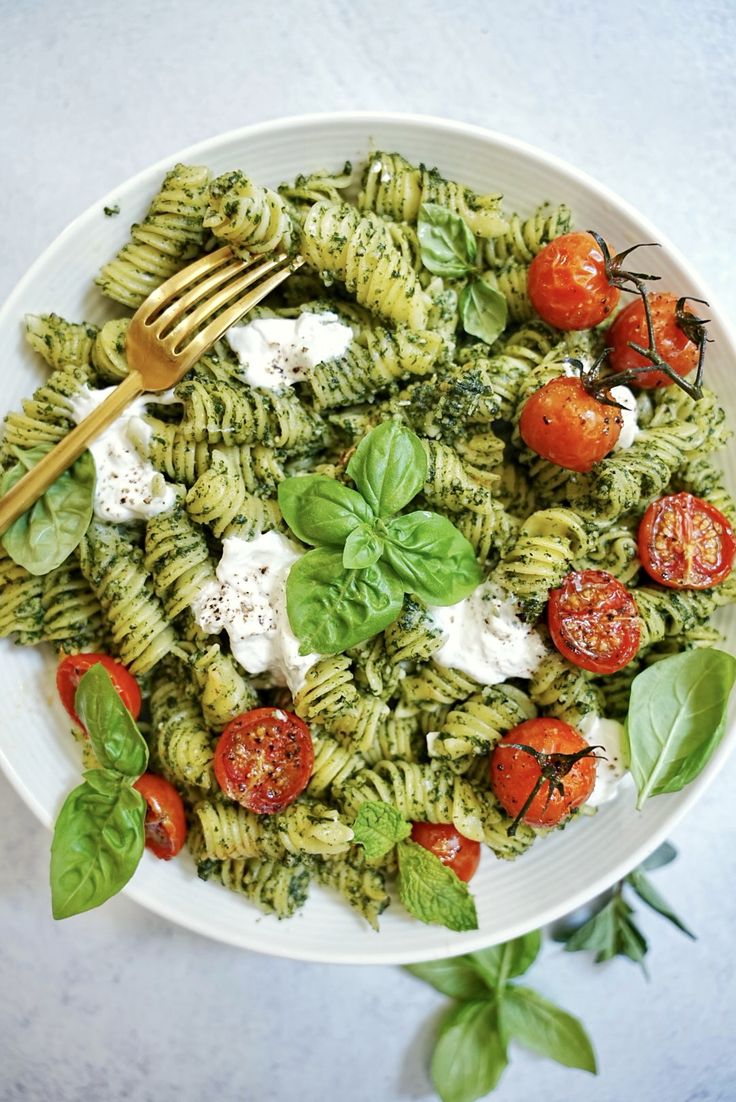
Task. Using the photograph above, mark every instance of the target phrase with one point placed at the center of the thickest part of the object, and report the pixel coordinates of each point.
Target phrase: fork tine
(192, 352)
(183, 279)
(159, 323)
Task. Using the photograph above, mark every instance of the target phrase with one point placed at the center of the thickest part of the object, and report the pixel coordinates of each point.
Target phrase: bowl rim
(435, 125)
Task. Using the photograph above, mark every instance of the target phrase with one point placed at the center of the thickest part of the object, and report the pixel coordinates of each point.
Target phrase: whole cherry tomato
(166, 824)
(565, 424)
(568, 283)
(671, 342)
(72, 668)
(686, 543)
(594, 621)
(459, 853)
(264, 759)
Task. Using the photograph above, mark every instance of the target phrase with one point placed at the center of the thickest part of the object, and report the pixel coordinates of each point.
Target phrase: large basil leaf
(433, 559)
(677, 718)
(483, 310)
(47, 533)
(321, 511)
(470, 1055)
(431, 891)
(115, 738)
(456, 977)
(499, 963)
(533, 1021)
(378, 827)
(389, 467)
(331, 609)
(98, 842)
(362, 548)
(446, 245)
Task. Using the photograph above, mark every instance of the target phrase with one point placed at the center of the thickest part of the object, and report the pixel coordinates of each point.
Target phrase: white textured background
(117, 1004)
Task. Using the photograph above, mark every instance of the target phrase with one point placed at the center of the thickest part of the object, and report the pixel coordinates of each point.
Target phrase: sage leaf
(432, 557)
(362, 548)
(470, 1054)
(499, 963)
(389, 467)
(609, 933)
(115, 738)
(456, 977)
(483, 310)
(536, 1023)
(431, 891)
(331, 609)
(47, 533)
(321, 511)
(378, 827)
(677, 718)
(446, 245)
(97, 844)
(649, 895)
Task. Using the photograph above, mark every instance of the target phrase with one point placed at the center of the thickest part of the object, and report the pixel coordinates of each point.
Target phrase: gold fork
(164, 340)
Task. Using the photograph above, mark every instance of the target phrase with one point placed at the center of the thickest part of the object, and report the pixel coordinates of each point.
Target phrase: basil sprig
(677, 718)
(364, 558)
(47, 533)
(99, 834)
(448, 248)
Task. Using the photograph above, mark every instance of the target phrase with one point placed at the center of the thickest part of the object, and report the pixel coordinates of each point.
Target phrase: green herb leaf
(115, 738)
(609, 933)
(98, 842)
(499, 963)
(331, 609)
(470, 1054)
(677, 718)
(446, 245)
(44, 536)
(483, 311)
(433, 559)
(649, 895)
(662, 856)
(362, 548)
(533, 1021)
(321, 511)
(389, 467)
(456, 977)
(378, 827)
(431, 891)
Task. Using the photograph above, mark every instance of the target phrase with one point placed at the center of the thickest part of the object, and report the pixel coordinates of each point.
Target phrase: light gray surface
(117, 1004)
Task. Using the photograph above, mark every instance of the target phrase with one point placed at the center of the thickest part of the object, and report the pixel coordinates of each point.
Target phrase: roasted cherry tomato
(565, 424)
(671, 342)
(166, 824)
(456, 851)
(594, 621)
(686, 543)
(568, 283)
(71, 669)
(264, 759)
(515, 773)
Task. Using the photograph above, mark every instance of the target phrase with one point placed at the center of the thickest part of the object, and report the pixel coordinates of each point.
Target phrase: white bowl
(36, 751)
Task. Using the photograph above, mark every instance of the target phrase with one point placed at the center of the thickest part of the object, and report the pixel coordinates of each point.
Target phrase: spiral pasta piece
(359, 725)
(434, 684)
(414, 636)
(46, 417)
(317, 186)
(525, 238)
(225, 412)
(333, 764)
(246, 215)
(182, 744)
(363, 887)
(61, 343)
(454, 485)
(108, 351)
(547, 543)
(560, 689)
(475, 726)
(304, 827)
(327, 691)
(177, 558)
(511, 280)
(21, 610)
(72, 615)
(274, 887)
(225, 693)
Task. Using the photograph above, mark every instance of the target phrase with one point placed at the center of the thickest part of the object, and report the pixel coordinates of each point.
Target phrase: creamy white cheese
(485, 637)
(128, 487)
(276, 352)
(248, 601)
(610, 768)
(630, 428)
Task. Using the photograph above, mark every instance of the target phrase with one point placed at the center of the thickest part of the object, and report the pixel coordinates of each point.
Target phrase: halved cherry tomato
(594, 621)
(686, 543)
(568, 284)
(514, 773)
(459, 853)
(166, 824)
(71, 669)
(672, 343)
(264, 759)
(565, 424)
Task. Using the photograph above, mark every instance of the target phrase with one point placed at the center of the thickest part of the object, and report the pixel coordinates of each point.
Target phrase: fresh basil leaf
(483, 310)
(362, 548)
(431, 891)
(389, 467)
(677, 718)
(649, 895)
(456, 977)
(321, 511)
(47, 533)
(331, 609)
(378, 827)
(610, 933)
(446, 245)
(498, 963)
(433, 559)
(470, 1054)
(98, 842)
(533, 1021)
(662, 856)
(115, 738)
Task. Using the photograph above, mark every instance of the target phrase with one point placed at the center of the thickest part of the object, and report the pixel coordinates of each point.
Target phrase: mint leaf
(389, 467)
(115, 738)
(431, 891)
(483, 311)
(498, 963)
(649, 895)
(470, 1054)
(533, 1021)
(456, 977)
(446, 245)
(378, 827)
(610, 933)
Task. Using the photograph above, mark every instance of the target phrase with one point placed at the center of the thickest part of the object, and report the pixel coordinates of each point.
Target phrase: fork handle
(29, 488)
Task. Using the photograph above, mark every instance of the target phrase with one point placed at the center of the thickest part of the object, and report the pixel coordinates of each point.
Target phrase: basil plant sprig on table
(365, 557)
(99, 834)
(448, 248)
